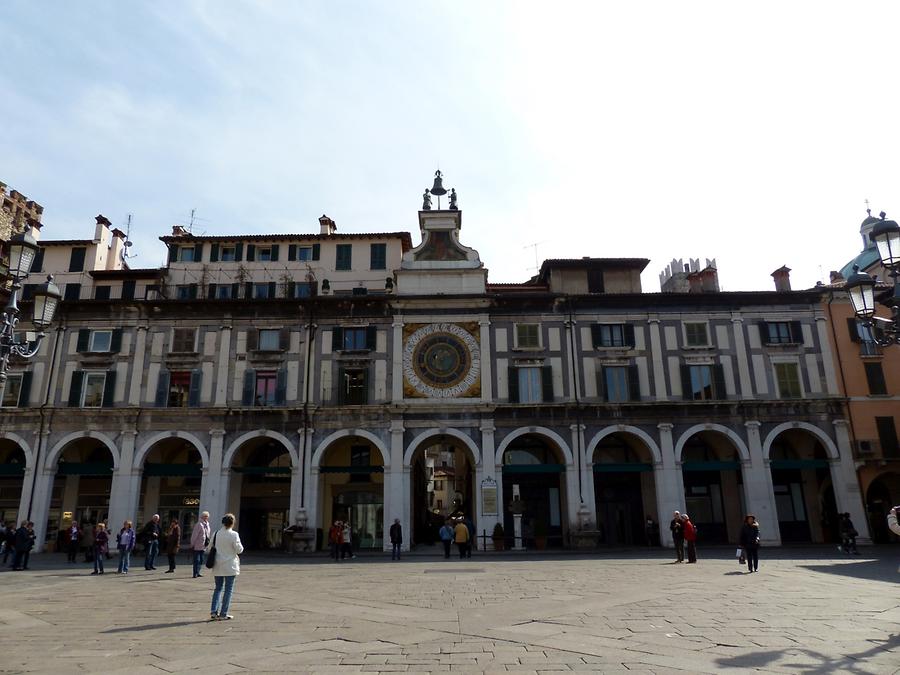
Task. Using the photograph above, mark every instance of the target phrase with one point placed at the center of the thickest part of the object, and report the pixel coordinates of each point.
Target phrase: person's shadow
(154, 626)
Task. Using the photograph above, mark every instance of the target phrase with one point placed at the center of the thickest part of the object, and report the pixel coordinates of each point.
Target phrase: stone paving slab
(806, 612)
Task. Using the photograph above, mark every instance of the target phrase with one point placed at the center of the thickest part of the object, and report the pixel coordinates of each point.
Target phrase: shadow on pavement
(824, 664)
(154, 626)
(873, 570)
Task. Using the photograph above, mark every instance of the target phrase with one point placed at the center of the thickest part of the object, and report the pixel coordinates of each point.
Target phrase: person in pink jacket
(199, 542)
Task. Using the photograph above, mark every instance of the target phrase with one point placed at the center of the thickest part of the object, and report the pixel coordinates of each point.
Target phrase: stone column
(588, 504)
(759, 492)
(487, 470)
(487, 379)
(396, 489)
(40, 504)
(574, 496)
(213, 494)
(669, 483)
(656, 354)
(123, 494)
(300, 478)
(847, 493)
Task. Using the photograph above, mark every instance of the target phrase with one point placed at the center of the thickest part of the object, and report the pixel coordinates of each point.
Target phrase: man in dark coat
(151, 534)
(677, 536)
(24, 542)
(396, 533)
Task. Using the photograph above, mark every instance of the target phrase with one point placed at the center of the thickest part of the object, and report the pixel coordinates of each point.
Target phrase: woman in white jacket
(226, 568)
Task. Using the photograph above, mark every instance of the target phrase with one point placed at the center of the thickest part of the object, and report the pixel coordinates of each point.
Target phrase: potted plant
(498, 537)
(540, 535)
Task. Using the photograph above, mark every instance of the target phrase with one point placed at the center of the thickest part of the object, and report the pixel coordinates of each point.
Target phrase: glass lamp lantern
(22, 249)
(46, 299)
(861, 288)
(886, 236)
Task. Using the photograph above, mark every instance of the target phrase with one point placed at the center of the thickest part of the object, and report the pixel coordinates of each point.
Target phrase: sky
(748, 134)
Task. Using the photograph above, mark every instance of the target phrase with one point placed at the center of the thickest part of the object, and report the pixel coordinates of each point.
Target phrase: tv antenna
(193, 218)
(535, 245)
(128, 242)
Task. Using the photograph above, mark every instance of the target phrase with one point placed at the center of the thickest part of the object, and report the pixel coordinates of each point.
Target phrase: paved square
(806, 611)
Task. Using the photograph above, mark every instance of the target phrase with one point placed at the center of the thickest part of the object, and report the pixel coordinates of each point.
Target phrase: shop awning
(622, 467)
(534, 468)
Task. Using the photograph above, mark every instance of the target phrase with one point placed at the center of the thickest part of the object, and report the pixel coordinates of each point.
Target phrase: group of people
(684, 535)
(17, 542)
(459, 531)
(340, 540)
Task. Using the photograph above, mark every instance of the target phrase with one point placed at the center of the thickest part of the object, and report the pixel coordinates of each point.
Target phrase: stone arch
(736, 440)
(432, 433)
(260, 433)
(624, 429)
(53, 457)
(537, 431)
(184, 435)
(18, 440)
(322, 448)
(826, 441)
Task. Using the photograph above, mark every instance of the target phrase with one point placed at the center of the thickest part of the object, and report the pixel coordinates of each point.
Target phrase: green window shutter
(284, 339)
(194, 391)
(513, 378)
(173, 253)
(25, 391)
(686, 391)
(718, 373)
(162, 390)
(211, 291)
(275, 248)
(239, 251)
(235, 290)
(115, 342)
(853, 328)
(251, 252)
(109, 389)
(796, 332)
(198, 252)
(281, 386)
(547, 383)
(213, 253)
(248, 290)
(371, 337)
(601, 383)
(628, 330)
(634, 383)
(38, 263)
(75, 389)
(292, 252)
(128, 288)
(595, 335)
(316, 251)
(763, 332)
(249, 386)
(84, 339)
(337, 339)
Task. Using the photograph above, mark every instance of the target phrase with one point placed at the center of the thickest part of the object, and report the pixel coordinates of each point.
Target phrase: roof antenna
(868, 207)
(128, 242)
(535, 247)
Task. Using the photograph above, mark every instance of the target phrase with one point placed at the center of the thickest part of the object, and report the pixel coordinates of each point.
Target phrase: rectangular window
(787, 375)
(179, 388)
(11, 391)
(185, 254)
(92, 395)
(343, 260)
(354, 339)
(701, 383)
(304, 253)
(378, 257)
(304, 289)
(875, 378)
(528, 336)
(611, 335)
(616, 384)
(887, 437)
(224, 292)
(102, 292)
(595, 281)
(695, 335)
(354, 387)
(128, 288)
(269, 340)
(530, 385)
(184, 340)
(73, 292)
(266, 381)
(264, 253)
(76, 259)
(227, 254)
(261, 290)
(101, 341)
(185, 291)
(778, 333)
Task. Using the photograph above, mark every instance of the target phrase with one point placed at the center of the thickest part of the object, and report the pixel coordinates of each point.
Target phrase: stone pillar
(313, 510)
(759, 492)
(487, 470)
(669, 484)
(123, 494)
(212, 492)
(300, 479)
(827, 358)
(138, 368)
(588, 497)
(847, 492)
(656, 354)
(40, 505)
(487, 379)
(26, 504)
(397, 488)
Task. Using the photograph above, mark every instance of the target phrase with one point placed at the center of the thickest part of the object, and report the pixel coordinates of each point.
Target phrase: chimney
(102, 224)
(179, 231)
(835, 277)
(326, 226)
(695, 282)
(782, 278)
(709, 279)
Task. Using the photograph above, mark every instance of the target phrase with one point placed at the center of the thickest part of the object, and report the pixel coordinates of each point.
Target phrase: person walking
(101, 545)
(677, 529)
(125, 543)
(396, 534)
(21, 547)
(173, 543)
(750, 541)
(150, 536)
(347, 537)
(199, 542)
(690, 536)
(73, 536)
(848, 535)
(461, 537)
(226, 567)
(446, 535)
(335, 538)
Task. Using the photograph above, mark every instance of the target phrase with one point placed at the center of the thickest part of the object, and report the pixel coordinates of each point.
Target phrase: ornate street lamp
(22, 249)
(861, 286)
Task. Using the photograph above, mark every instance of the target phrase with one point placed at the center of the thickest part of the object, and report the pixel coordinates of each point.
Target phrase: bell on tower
(438, 188)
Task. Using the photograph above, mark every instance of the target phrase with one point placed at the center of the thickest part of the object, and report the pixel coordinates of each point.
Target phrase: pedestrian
(21, 546)
(125, 543)
(226, 567)
(88, 530)
(848, 535)
(199, 542)
(347, 541)
(396, 533)
(461, 537)
(690, 536)
(470, 526)
(335, 538)
(892, 520)
(750, 541)
(446, 535)
(73, 536)
(150, 536)
(10, 540)
(677, 529)
(649, 529)
(173, 543)
(101, 544)
(29, 544)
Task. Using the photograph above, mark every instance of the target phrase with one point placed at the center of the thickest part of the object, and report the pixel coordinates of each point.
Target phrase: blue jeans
(152, 552)
(395, 551)
(98, 560)
(228, 582)
(198, 562)
(124, 559)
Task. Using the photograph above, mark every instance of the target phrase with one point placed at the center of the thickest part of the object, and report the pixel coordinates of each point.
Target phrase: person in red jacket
(690, 537)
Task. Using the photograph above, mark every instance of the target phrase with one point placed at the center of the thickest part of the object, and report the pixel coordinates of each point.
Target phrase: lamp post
(861, 286)
(22, 249)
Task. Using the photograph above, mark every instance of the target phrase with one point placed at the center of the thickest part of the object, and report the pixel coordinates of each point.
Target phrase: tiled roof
(405, 237)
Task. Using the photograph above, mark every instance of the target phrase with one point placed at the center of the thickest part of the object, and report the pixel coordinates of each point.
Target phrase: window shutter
(686, 391)
(634, 383)
(718, 374)
(601, 383)
(75, 389)
(235, 289)
(853, 328)
(595, 335)
(194, 391)
(337, 339)
(249, 386)
(513, 384)
(273, 289)
(252, 339)
(248, 290)
(371, 337)
(211, 291)
(547, 383)
(192, 291)
(84, 339)
(38, 261)
(128, 288)
(213, 253)
(292, 252)
(796, 333)
(763, 332)
(251, 252)
(628, 332)
(109, 389)
(162, 390)
(316, 250)
(284, 339)
(76, 259)
(275, 248)
(198, 252)
(25, 391)
(239, 251)
(281, 386)
(341, 386)
(115, 342)
(173, 253)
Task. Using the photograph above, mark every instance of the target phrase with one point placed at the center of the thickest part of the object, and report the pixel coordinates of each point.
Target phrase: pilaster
(669, 483)
(758, 489)
(396, 498)
(847, 493)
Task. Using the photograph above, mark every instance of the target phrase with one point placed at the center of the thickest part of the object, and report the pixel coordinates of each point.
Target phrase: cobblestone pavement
(806, 611)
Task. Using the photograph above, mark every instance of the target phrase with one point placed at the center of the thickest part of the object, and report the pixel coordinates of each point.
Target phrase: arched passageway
(81, 487)
(12, 476)
(260, 491)
(713, 486)
(170, 484)
(625, 491)
(882, 495)
(801, 480)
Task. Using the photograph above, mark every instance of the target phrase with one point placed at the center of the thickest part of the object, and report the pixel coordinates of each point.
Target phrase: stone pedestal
(517, 533)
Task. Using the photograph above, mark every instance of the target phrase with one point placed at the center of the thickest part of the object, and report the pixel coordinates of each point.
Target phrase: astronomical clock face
(441, 360)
